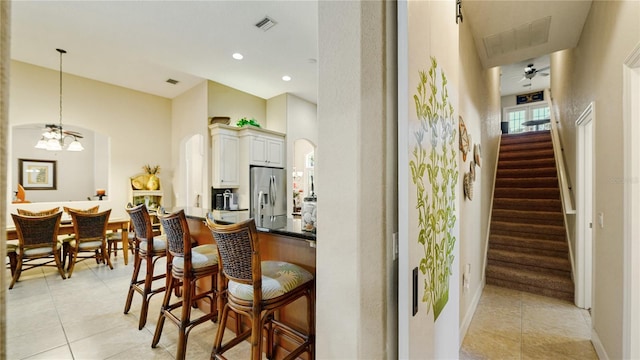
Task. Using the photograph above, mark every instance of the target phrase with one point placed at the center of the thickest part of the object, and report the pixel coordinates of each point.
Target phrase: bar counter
(280, 239)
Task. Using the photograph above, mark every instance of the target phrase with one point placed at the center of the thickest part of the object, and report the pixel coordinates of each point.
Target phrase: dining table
(66, 228)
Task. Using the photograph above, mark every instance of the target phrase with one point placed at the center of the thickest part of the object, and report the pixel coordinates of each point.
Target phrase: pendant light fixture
(54, 137)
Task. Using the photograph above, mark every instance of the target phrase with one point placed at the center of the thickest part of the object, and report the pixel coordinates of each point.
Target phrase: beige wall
(277, 113)
(611, 32)
(127, 117)
(480, 107)
(227, 101)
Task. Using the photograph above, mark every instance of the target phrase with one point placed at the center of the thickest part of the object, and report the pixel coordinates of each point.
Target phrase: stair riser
(529, 146)
(531, 289)
(525, 137)
(545, 182)
(526, 155)
(549, 265)
(528, 235)
(549, 283)
(526, 204)
(527, 173)
(529, 229)
(533, 163)
(517, 242)
(528, 221)
(530, 251)
(534, 193)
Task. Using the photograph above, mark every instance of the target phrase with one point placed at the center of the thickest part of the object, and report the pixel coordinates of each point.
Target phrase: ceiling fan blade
(523, 79)
(544, 68)
(544, 74)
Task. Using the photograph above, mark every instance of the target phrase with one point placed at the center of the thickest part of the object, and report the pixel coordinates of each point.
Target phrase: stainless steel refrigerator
(268, 192)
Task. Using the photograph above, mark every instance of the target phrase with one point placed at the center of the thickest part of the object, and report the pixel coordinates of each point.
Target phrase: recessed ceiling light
(237, 56)
(286, 78)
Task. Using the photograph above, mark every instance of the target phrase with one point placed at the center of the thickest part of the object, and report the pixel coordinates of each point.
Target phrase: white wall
(611, 32)
(138, 124)
(189, 118)
(479, 106)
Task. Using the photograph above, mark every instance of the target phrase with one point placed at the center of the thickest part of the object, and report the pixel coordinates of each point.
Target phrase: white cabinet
(266, 149)
(225, 158)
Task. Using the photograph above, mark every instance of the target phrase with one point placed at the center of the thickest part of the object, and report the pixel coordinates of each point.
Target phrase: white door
(584, 212)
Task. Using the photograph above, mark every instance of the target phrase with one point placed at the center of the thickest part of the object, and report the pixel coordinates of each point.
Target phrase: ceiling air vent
(265, 24)
(172, 81)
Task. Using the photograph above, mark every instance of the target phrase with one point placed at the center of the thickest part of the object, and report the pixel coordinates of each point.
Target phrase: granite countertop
(281, 225)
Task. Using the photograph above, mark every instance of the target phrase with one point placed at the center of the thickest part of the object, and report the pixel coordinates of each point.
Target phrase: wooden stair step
(523, 276)
(537, 229)
(525, 137)
(527, 204)
(527, 193)
(557, 294)
(531, 182)
(517, 259)
(527, 173)
(532, 163)
(528, 217)
(526, 154)
(529, 246)
(526, 146)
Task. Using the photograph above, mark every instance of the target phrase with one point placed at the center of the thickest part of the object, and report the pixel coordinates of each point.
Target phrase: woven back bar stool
(185, 266)
(148, 249)
(37, 239)
(257, 290)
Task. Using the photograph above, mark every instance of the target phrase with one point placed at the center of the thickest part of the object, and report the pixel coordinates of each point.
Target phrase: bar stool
(258, 289)
(150, 249)
(185, 266)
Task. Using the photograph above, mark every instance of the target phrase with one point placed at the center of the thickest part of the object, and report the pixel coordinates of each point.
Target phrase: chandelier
(54, 137)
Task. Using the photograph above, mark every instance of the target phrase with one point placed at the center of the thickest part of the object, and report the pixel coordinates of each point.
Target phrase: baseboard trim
(464, 327)
(597, 344)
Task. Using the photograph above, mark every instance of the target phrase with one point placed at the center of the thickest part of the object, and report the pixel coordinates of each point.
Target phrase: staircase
(528, 249)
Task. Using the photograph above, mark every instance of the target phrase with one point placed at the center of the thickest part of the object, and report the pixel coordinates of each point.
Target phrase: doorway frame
(584, 207)
(631, 126)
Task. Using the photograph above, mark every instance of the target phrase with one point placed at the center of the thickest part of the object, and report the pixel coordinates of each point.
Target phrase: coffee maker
(217, 198)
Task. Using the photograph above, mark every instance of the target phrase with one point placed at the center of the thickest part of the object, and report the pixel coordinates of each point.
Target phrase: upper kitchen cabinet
(225, 146)
(266, 147)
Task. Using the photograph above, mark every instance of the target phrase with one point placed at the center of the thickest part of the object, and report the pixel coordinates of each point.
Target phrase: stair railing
(566, 194)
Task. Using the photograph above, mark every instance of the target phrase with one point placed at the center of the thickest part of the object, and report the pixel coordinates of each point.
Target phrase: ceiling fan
(530, 72)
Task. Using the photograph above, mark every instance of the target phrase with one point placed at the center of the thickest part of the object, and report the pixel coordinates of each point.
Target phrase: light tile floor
(511, 324)
(82, 318)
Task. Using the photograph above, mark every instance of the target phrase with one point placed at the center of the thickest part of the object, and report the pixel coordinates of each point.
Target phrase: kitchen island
(280, 239)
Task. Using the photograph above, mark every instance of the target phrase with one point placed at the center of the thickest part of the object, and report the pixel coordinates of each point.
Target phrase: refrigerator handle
(273, 191)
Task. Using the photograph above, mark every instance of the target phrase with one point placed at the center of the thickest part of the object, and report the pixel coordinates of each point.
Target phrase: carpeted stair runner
(528, 249)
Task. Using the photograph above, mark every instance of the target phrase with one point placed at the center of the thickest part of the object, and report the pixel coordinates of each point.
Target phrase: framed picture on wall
(37, 174)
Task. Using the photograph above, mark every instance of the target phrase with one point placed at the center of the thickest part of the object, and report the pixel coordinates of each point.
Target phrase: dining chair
(185, 266)
(90, 236)
(26, 212)
(37, 240)
(257, 289)
(67, 238)
(147, 248)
